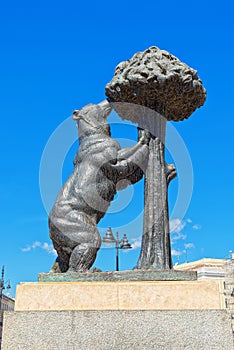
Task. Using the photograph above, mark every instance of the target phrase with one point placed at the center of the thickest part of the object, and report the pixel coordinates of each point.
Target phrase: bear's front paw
(144, 136)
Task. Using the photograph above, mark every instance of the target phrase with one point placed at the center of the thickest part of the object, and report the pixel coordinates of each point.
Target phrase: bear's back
(98, 149)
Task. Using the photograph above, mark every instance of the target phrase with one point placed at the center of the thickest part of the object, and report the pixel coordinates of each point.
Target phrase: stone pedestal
(118, 315)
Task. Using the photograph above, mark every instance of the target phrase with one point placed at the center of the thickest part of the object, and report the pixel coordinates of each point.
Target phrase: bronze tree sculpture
(149, 89)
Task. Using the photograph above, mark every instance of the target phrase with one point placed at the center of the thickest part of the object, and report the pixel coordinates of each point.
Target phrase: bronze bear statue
(101, 167)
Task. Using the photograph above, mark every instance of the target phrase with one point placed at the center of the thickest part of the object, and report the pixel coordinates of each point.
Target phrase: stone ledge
(134, 295)
(112, 276)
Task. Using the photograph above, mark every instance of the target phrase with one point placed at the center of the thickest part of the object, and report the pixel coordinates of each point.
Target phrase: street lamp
(2, 286)
(119, 244)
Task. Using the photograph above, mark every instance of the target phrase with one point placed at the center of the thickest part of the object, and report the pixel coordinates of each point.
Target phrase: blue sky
(57, 57)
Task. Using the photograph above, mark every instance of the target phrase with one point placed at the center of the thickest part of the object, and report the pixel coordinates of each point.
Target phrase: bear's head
(91, 119)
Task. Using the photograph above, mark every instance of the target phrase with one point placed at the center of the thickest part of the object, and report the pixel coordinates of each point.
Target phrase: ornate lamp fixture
(119, 244)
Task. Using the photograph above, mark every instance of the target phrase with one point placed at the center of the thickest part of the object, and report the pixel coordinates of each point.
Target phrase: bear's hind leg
(82, 257)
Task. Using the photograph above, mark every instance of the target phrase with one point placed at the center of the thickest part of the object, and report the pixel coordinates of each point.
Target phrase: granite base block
(117, 330)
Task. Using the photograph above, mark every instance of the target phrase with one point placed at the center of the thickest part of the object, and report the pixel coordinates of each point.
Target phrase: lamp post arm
(1, 287)
(117, 250)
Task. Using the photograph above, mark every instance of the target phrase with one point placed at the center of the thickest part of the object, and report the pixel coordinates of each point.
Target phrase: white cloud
(177, 236)
(177, 225)
(44, 246)
(136, 242)
(30, 247)
(26, 249)
(189, 220)
(49, 248)
(175, 252)
(189, 245)
(196, 227)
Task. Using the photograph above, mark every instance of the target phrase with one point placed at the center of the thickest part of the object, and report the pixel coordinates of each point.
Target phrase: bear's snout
(105, 107)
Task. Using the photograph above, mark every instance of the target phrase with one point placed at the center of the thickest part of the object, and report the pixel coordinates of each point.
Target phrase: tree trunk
(156, 247)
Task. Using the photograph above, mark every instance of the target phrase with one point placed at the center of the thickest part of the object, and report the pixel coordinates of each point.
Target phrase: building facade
(207, 268)
(7, 304)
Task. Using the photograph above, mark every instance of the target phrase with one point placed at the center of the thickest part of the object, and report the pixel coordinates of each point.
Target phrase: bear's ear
(75, 114)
